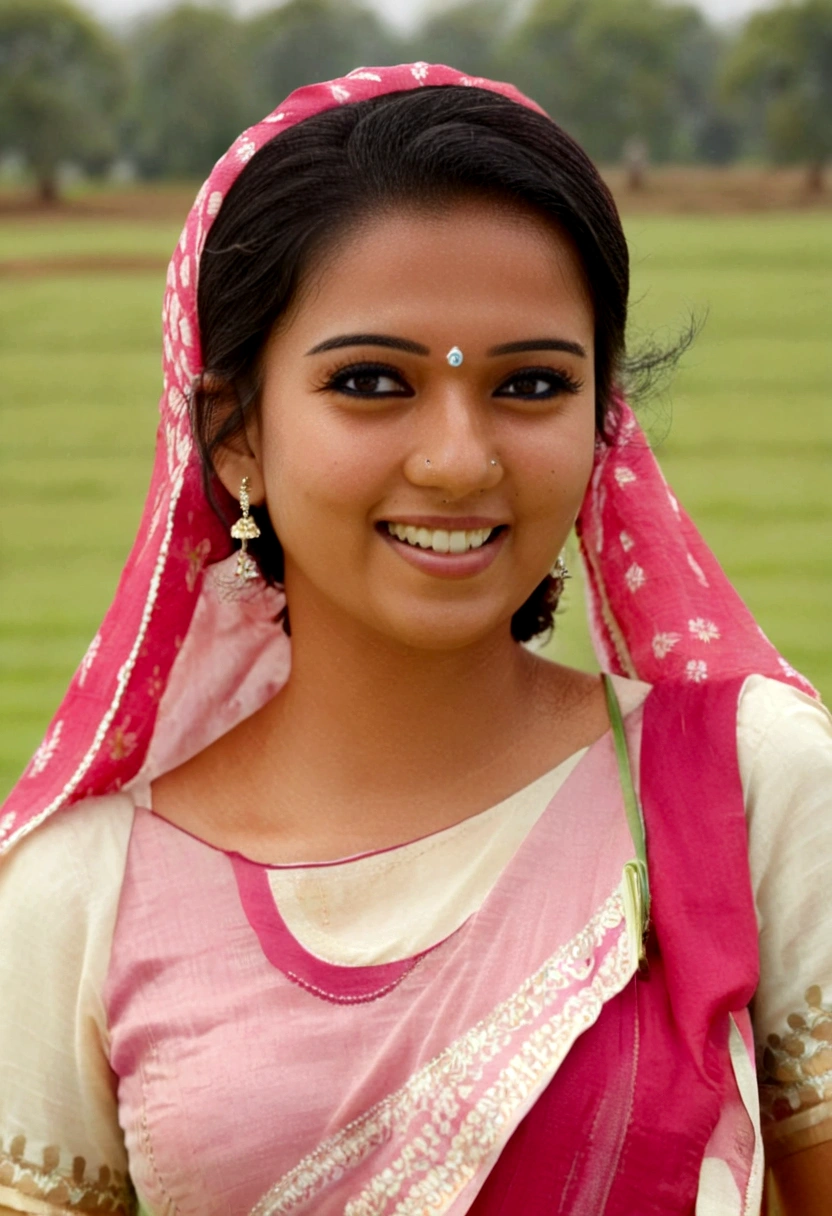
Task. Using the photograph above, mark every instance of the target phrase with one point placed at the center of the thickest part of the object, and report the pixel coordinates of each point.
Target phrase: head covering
(177, 663)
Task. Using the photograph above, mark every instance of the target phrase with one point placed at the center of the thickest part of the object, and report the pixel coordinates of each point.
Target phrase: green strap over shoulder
(635, 819)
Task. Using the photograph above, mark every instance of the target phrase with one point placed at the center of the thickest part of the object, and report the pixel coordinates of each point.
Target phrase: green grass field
(745, 431)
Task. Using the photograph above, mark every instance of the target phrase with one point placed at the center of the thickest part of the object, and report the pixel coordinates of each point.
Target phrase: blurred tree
(309, 40)
(62, 80)
(706, 126)
(544, 59)
(192, 93)
(466, 36)
(615, 71)
(783, 64)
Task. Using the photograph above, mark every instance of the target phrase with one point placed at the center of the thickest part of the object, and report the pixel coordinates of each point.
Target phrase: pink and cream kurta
(231, 1053)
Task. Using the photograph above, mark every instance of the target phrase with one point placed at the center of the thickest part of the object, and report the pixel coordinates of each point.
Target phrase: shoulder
(77, 834)
(68, 868)
(784, 747)
(785, 750)
(773, 713)
(59, 898)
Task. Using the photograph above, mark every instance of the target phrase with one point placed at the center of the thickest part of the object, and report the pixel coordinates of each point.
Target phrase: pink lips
(448, 565)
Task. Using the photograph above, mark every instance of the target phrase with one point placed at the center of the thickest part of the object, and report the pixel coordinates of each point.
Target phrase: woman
(374, 935)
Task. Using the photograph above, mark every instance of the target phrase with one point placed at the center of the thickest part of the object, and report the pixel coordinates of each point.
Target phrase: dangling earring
(245, 530)
(559, 574)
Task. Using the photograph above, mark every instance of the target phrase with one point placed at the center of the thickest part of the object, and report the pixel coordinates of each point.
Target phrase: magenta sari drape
(627, 1120)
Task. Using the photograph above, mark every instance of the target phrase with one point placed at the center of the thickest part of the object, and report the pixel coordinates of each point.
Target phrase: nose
(455, 449)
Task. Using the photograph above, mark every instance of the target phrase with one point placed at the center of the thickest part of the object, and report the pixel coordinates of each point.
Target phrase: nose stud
(455, 356)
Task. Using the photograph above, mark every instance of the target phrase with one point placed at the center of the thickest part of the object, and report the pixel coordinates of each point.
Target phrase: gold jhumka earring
(245, 530)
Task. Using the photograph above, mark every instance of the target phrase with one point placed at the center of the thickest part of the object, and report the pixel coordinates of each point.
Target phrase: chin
(445, 629)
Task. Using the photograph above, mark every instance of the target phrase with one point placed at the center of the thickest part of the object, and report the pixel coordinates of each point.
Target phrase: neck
(371, 743)
(389, 718)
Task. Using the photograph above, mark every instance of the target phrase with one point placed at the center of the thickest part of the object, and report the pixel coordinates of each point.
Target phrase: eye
(368, 380)
(538, 384)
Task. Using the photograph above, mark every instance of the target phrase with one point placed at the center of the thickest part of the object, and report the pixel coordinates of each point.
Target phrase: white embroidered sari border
(494, 1116)
(435, 1091)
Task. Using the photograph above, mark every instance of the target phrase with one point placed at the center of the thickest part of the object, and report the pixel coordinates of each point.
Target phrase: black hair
(321, 177)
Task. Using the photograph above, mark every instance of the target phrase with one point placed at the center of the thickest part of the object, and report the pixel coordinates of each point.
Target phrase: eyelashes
(538, 384)
(381, 380)
(367, 380)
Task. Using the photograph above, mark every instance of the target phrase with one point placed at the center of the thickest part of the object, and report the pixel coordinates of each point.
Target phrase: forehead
(473, 264)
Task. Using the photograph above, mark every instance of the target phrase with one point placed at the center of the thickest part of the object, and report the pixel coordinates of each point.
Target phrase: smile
(446, 553)
(441, 540)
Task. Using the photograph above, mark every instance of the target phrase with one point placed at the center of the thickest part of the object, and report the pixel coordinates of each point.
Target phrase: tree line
(632, 78)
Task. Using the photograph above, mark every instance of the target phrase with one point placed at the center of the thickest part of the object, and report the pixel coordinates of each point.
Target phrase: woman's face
(425, 500)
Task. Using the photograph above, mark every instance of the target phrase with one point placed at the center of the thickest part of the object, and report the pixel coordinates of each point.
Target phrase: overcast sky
(399, 12)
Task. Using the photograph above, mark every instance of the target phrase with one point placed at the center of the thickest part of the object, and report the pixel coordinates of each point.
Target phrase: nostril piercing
(427, 462)
(494, 463)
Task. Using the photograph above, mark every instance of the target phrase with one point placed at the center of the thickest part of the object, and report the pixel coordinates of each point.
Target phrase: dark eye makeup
(538, 384)
(380, 380)
(367, 380)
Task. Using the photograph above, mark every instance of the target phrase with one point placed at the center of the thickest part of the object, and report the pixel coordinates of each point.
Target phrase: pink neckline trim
(336, 982)
(333, 982)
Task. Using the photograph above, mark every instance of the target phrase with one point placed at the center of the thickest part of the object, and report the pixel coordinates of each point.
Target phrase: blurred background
(712, 122)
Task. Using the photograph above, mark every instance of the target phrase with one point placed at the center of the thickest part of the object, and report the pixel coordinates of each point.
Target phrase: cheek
(555, 468)
(321, 476)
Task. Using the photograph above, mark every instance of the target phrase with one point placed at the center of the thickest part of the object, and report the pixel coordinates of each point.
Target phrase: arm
(803, 1182)
(61, 1147)
(785, 750)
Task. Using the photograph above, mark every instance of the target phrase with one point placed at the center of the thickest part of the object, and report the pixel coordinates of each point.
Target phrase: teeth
(440, 540)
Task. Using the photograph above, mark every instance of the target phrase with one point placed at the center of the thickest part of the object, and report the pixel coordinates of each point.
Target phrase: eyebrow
(416, 348)
(386, 340)
(531, 344)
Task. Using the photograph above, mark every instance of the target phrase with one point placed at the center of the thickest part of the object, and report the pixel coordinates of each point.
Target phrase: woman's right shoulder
(75, 858)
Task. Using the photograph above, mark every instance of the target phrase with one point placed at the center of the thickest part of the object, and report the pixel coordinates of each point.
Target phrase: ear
(239, 457)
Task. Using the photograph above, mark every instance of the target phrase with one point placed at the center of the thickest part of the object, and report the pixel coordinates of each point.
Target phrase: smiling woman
(398, 916)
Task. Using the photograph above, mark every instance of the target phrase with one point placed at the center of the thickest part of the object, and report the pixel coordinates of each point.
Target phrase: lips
(445, 552)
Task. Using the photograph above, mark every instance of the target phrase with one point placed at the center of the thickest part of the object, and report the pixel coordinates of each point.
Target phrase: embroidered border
(439, 1089)
(795, 1069)
(111, 1192)
(485, 1125)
